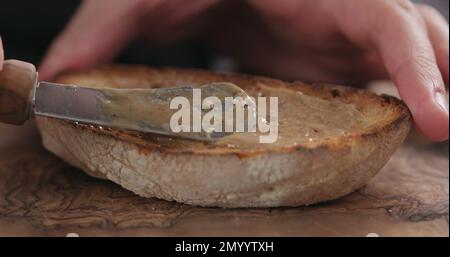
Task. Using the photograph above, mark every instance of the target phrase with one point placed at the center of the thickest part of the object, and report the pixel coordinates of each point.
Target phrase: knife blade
(143, 110)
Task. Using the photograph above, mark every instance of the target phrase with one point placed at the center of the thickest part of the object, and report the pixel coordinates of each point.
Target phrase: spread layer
(304, 118)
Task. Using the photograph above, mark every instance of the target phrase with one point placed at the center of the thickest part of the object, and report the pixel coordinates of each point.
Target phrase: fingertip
(431, 118)
(422, 89)
(439, 133)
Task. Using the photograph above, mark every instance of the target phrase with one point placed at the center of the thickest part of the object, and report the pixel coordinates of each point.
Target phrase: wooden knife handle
(17, 84)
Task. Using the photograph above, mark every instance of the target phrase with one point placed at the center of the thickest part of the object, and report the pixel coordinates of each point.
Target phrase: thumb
(96, 33)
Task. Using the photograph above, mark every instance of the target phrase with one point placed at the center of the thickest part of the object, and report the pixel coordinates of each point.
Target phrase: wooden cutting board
(40, 195)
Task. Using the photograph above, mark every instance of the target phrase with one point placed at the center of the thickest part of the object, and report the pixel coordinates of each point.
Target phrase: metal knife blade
(144, 110)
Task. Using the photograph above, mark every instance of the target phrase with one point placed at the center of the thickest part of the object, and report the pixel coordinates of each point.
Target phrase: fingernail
(442, 100)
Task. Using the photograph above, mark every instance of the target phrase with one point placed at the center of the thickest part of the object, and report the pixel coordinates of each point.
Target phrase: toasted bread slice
(290, 173)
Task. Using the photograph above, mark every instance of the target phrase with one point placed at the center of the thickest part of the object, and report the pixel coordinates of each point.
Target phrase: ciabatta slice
(296, 172)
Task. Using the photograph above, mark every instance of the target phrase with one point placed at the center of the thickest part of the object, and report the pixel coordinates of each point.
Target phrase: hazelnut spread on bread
(332, 140)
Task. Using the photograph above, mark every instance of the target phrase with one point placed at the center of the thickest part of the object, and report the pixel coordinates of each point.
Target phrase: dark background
(28, 27)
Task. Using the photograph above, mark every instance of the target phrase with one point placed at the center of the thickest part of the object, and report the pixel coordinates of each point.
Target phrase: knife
(142, 110)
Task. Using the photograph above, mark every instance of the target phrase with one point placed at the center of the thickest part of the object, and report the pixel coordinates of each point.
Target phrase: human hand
(347, 41)
(350, 41)
(101, 28)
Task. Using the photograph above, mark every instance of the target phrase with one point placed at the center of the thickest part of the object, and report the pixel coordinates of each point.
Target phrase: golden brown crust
(170, 76)
(285, 176)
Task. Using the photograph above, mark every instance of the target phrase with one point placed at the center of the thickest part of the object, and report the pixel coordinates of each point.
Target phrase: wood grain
(42, 196)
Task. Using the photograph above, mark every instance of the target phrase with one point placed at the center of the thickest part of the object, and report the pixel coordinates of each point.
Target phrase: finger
(438, 32)
(167, 23)
(399, 34)
(396, 30)
(409, 58)
(98, 30)
(2, 55)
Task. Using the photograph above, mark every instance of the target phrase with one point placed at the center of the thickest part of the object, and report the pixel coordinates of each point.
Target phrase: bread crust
(296, 175)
